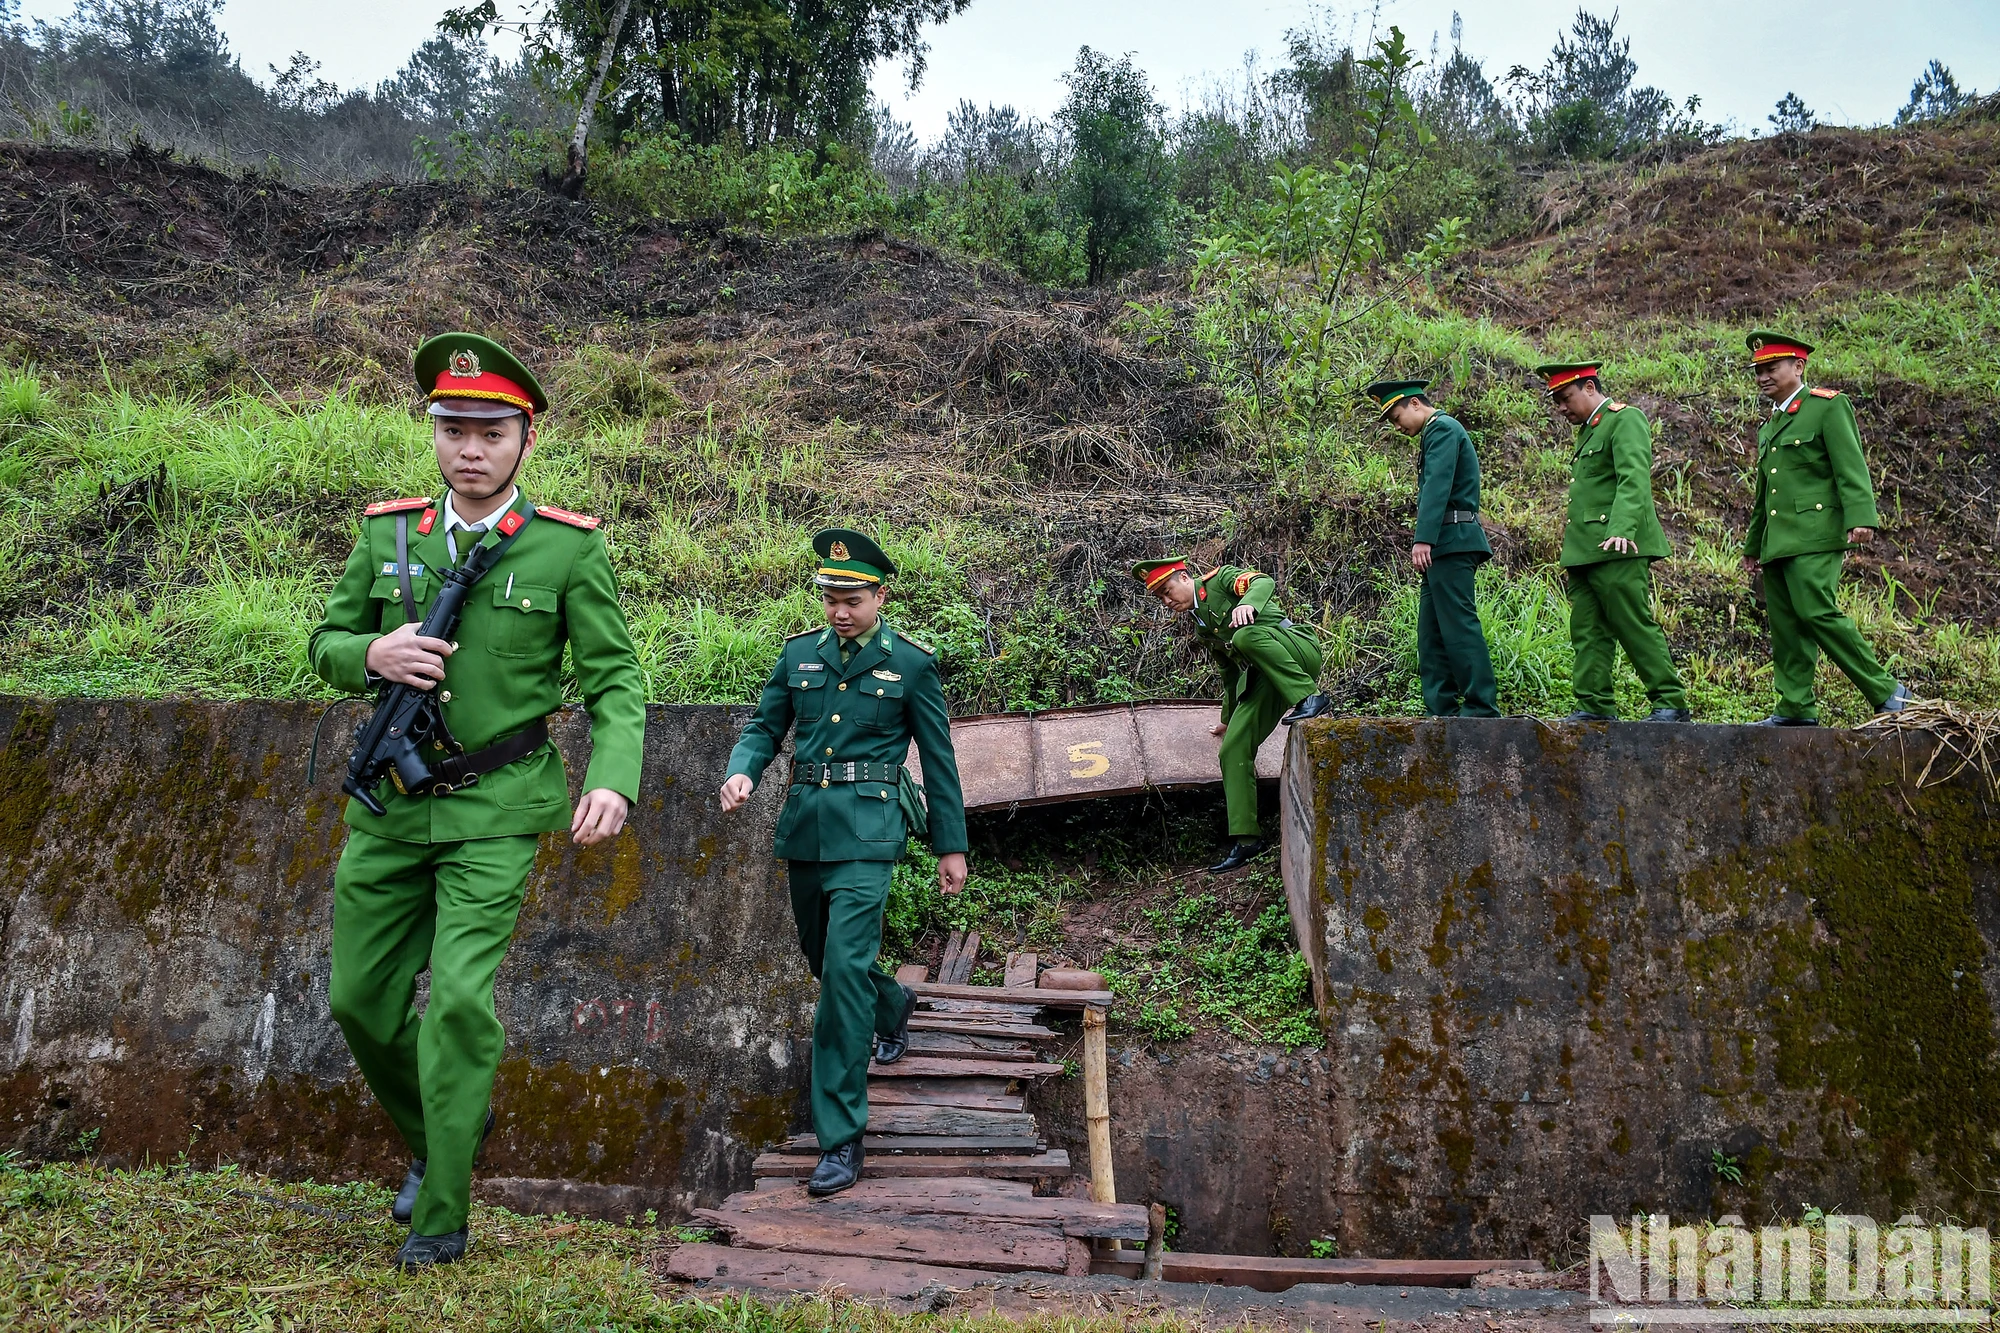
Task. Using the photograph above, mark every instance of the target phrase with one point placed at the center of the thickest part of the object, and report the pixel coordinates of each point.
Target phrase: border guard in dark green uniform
(1814, 501)
(859, 692)
(436, 880)
(1453, 664)
(1610, 540)
(1267, 664)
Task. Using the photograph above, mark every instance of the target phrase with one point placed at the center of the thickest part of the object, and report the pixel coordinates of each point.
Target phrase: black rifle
(406, 720)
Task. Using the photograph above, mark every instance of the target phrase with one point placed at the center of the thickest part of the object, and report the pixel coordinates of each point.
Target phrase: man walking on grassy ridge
(1610, 540)
(1267, 664)
(859, 692)
(1814, 500)
(435, 881)
(1452, 661)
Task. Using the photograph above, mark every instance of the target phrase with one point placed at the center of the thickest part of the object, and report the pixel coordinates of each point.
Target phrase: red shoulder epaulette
(575, 520)
(1242, 584)
(396, 506)
(1824, 393)
(1616, 407)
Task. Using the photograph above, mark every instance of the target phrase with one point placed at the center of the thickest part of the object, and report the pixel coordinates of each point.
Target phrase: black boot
(1585, 715)
(837, 1169)
(1780, 720)
(1240, 854)
(425, 1251)
(1310, 706)
(413, 1179)
(1670, 715)
(890, 1049)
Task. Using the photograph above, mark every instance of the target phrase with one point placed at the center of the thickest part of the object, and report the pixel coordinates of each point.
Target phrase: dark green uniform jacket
(1448, 484)
(1216, 595)
(867, 711)
(554, 585)
(1812, 480)
(1611, 488)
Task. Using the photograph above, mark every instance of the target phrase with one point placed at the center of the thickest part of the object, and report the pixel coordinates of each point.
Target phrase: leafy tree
(1582, 104)
(1793, 116)
(1117, 187)
(446, 79)
(1934, 96)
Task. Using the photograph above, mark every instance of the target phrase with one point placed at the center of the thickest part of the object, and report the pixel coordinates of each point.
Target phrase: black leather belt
(851, 771)
(1461, 516)
(464, 770)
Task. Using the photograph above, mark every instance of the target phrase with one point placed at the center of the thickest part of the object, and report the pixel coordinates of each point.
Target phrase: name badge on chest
(811, 666)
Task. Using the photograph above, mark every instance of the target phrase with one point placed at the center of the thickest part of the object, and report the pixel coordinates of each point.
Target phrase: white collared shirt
(452, 521)
(1790, 399)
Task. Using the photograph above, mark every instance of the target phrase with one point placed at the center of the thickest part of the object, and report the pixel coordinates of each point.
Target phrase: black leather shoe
(1670, 715)
(1898, 700)
(413, 1179)
(836, 1170)
(1310, 706)
(1780, 720)
(424, 1251)
(888, 1050)
(1584, 715)
(1240, 854)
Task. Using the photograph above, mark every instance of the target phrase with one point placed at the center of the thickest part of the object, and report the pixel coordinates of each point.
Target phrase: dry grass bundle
(1971, 736)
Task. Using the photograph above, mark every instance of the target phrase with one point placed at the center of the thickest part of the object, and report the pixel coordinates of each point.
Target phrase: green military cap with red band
(1771, 345)
(465, 375)
(1559, 373)
(1154, 572)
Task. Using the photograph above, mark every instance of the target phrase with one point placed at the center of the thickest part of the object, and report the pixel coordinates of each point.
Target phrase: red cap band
(1772, 351)
(1562, 377)
(485, 385)
(1159, 573)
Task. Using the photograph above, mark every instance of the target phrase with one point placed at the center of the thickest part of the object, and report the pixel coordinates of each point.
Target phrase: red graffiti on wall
(596, 1016)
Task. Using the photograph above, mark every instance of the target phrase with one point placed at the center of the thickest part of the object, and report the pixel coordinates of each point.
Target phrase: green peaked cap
(850, 559)
(1770, 344)
(1559, 373)
(465, 366)
(1151, 572)
(1387, 393)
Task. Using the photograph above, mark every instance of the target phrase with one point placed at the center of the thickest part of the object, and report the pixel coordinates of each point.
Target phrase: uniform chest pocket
(388, 590)
(880, 707)
(878, 815)
(808, 694)
(525, 622)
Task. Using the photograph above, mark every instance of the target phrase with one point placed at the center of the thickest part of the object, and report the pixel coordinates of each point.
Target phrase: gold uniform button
(525, 603)
(878, 691)
(1774, 472)
(829, 749)
(1774, 513)
(843, 684)
(836, 717)
(396, 593)
(446, 696)
(1819, 506)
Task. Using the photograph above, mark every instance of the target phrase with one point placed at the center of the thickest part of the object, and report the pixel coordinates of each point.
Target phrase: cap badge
(465, 364)
(838, 550)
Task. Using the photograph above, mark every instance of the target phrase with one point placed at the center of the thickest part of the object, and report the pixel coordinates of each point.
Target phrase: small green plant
(1324, 1247)
(689, 1235)
(84, 1144)
(1726, 1166)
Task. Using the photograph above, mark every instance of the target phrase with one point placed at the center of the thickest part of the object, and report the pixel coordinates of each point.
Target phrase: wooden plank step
(926, 1021)
(909, 974)
(960, 1186)
(924, 1143)
(1047, 1165)
(871, 1202)
(912, 1092)
(925, 1041)
(1278, 1274)
(775, 1270)
(1059, 999)
(1021, 970)
(938, 1066)
(961, 951)
(979, 1009)
(950, 1122)
(955, 1242)
(945, 1088)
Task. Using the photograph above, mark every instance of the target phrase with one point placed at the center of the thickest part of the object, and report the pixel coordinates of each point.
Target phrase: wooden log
(1097, 1107)
(923, 1041)
(909, 974)
(956, 1242)
(951, 1121)
(1156, 1242)
(933, 1066)
(940, 1091)
(1021, 970)
(973, 1025)
(1052, 1164)
(1069, 978)
(1278, 1274)
(891, 1188)
(1057, 999)
(949, 962)
(926, 1143)
(776, 1270)
(893, 1092)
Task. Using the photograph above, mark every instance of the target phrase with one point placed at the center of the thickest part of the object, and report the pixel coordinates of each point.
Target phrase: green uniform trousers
(1806, 619)
(1283, 669)
(1611, 603)
(1452, 661)
(397, 908)
(838, 908)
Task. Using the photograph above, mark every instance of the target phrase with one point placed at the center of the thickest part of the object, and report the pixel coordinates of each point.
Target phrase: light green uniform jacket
(1611, 488)
(1812, 479)
(554, 586)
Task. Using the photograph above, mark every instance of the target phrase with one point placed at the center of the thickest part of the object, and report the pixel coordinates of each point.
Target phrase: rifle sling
(403, 567)
(463, 770)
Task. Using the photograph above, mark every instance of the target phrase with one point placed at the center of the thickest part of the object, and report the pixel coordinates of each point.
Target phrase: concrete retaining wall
(1564, 968)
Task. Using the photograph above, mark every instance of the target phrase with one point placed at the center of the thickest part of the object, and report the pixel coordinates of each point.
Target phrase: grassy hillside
(204, 382)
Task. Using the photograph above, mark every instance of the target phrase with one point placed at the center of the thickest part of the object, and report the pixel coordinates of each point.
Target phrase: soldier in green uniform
(1610, 541)
(1814, 500)
(1453, 664)
(436, 880)
(1267, 664)
(859, 692)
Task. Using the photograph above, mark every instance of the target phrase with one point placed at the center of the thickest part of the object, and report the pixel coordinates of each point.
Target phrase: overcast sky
(1851, 60)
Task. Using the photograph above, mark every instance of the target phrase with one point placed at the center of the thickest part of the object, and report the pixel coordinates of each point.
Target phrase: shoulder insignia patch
(1824, 393)
(395, 506)
(575, 520)
(429, 521)
(1615, 407)
(800, 635)
(915, 643)
(1243, 580)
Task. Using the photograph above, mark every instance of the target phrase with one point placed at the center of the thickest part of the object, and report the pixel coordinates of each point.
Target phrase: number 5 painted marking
(1091, 765)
